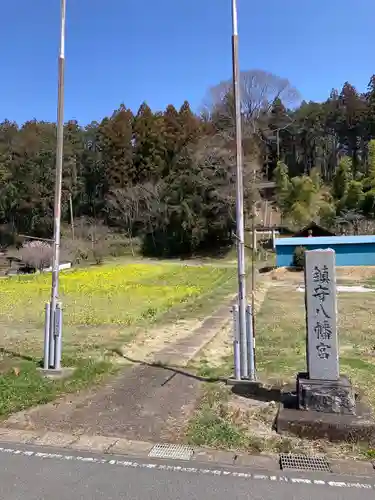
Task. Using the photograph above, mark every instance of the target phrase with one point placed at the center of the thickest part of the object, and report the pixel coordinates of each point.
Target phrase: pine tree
(116, 149)
(93, 172)
(33, 171)
(149, 145)
(73, 185)
(173, 135)
(191, 125)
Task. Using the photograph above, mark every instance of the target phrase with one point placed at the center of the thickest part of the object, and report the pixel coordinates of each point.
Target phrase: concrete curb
(141, 450)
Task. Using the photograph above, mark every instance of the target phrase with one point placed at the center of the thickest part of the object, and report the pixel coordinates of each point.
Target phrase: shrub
(75, 251)
(124, 247)
(299, 257)
(100, 251)
(36, 254)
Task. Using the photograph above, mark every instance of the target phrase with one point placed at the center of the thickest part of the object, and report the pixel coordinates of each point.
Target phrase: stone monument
(322, 388)
(324, 404)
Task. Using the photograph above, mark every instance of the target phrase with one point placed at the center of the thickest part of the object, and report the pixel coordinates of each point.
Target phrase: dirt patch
(148, 343)
(287, 276)
(355, 273)
(221, 346)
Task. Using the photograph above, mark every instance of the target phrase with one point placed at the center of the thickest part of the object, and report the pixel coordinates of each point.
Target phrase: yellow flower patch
(107, 295)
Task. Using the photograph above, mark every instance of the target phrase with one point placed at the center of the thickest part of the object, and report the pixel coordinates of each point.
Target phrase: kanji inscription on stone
(321, 315)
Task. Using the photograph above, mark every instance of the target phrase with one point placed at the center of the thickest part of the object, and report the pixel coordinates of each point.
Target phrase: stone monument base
(331, 426)
(337, 397)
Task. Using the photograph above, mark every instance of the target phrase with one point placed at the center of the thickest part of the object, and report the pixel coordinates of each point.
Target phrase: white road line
(179, 468)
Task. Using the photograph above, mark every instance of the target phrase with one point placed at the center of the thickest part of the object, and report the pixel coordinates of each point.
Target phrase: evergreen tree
(173, 135)
(370, 101)
(371, 163)
(283, 186)
(354, 196)
(174, 171)
(190, 125)
(116, 149)
(148, 146)
(196, 205)
(94, 171)
(73, 186)
(342, 178)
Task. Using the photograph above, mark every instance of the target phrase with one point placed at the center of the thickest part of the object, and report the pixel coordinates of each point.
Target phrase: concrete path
(37, 474)
(146, 402)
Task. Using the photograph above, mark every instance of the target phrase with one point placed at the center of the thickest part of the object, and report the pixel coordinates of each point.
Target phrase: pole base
(56, 374)
(243, 381)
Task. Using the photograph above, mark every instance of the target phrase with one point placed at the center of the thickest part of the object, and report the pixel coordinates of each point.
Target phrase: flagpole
(58, 182)
(240, 229)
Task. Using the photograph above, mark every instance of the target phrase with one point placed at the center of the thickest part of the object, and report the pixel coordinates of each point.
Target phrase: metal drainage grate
(301, 462)
(176, 451)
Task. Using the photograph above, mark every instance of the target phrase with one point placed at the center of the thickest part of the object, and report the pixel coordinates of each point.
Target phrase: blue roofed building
(350, 250)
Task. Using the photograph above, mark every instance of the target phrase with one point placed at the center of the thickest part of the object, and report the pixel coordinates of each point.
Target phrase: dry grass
(281, 337)
(216, 358)
(152, 340)
(281, 352)
(225, 421)
(351, 275)
(357, 274)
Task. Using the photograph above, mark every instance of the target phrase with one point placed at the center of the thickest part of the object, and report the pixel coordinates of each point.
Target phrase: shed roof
(324, 240)
(314, 227)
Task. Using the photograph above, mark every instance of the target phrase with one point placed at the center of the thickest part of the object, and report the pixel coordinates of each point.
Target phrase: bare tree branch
(259, 89)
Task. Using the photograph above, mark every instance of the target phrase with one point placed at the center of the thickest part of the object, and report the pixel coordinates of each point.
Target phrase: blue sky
(165, 51)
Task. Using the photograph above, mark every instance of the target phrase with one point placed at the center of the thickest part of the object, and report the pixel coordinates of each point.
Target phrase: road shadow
(174, 370)
(13, 354)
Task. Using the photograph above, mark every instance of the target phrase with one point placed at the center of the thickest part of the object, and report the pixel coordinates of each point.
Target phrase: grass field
(104, 307)
(226, 422)
(281, 338)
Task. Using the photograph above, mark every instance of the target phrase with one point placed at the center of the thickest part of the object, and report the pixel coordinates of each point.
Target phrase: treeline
(157, 175)
(324, 160)
(168, 177)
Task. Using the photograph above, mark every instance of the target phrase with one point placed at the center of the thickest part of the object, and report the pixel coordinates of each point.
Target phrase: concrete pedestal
(57, 374)
(333, 427)
(337, 397)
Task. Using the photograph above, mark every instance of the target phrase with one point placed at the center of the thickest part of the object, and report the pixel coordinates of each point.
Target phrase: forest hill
(169, 176)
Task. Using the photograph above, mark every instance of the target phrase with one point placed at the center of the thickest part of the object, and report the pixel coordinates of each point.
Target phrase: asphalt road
(28, 476)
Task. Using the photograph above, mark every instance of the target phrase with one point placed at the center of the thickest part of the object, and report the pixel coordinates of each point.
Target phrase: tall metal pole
(253, 286)
(240, 230)
(71, 215)
(59, 166)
